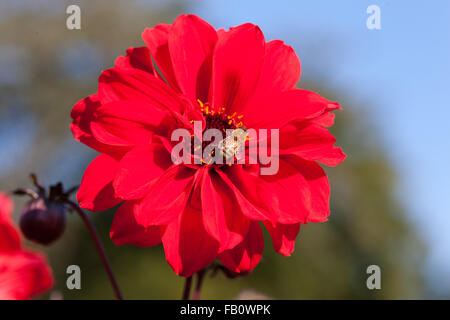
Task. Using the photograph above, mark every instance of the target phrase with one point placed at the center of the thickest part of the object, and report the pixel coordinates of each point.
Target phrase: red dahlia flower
(23, 274)
(226, 79)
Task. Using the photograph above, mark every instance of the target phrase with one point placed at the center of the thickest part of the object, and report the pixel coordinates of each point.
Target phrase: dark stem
(198, 287)
(187, 288)
(99, 247)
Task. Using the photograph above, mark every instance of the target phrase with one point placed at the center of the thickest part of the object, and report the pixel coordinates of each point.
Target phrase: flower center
(221, 121)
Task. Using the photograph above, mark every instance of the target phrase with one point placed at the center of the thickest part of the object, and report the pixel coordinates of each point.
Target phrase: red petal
(138, 169)
(326, 119)
(311, 142)
(295, 104)
(286, 193)
(156, 40)
(283, 197)
(6, 207)
(319, 187)
(283, 236)
(82, 115)
(281, 68)
(9, 237)
(135, 85)
(246, 193)
(222, 216)
(138, 58)
(246, 256)
(96, 191)
(187, 245)
(191, 42)
(237, 62)
(125, 229)
(166, 198)
(280, 72)
(125, 123)
(23, 275)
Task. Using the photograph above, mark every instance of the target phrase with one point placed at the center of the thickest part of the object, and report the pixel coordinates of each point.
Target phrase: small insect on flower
(233, 145)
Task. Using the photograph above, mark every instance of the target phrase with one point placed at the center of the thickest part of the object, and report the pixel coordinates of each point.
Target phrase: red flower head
(23, 274)
(226, 80)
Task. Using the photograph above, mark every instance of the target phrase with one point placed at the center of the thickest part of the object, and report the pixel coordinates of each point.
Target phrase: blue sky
(402, 69)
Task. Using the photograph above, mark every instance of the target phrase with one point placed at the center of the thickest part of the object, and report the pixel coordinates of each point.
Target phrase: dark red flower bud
(43, 221)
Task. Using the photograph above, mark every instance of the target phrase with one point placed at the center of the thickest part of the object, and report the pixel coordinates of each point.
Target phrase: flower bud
(43, 221)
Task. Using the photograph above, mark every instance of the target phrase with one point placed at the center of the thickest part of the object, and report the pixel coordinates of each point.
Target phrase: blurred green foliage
(367, 224)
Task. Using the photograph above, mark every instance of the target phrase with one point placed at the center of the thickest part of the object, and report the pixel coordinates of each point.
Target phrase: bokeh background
(389, 197)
